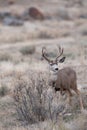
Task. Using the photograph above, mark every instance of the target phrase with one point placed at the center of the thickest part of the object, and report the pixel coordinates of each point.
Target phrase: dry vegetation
(27, 101)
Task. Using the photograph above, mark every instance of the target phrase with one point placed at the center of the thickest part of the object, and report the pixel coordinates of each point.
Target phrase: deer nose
(56, 68)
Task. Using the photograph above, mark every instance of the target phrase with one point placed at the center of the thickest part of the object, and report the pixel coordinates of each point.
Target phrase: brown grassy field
(65, 24)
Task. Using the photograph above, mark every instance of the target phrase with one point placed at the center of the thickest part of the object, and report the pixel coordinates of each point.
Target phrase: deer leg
(61, 91)
(80, 98)
(69, 96)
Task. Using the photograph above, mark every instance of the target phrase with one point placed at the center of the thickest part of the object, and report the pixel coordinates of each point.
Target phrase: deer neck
(53, 75)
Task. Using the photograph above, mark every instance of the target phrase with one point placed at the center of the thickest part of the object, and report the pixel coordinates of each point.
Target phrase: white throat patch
(53, 72)
(53, 75)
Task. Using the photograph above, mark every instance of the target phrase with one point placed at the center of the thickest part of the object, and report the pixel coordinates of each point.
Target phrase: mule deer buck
(66, 79)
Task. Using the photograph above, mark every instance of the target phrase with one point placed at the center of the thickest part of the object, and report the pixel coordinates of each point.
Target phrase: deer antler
(44, 54)
(60, 52)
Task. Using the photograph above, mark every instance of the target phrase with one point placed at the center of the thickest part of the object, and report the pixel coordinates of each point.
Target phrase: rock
(33, 13)
(36, 13)
(11, 2)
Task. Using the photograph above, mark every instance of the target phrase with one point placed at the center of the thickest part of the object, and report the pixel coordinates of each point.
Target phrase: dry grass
(79, 123)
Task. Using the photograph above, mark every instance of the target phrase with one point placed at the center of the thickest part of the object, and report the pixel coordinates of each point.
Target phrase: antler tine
(44, 54)
(60, 52)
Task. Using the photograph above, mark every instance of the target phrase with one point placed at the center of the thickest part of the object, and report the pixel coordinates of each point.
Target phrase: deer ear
(62, 59)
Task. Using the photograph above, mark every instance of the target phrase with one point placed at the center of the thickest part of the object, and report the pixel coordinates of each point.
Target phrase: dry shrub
(29, 100)
(34, 100)
(84, 32)
(62, 14)
(45, 35)
(3, 90)
(5, 57)
(28, 50)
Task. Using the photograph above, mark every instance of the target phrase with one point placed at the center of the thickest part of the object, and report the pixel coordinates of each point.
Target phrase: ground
(65, 24)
